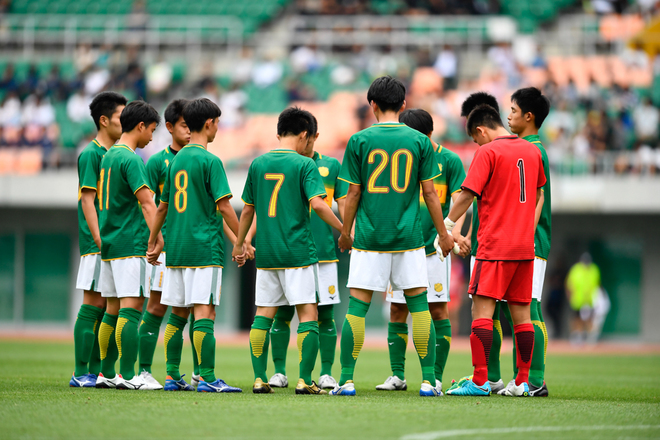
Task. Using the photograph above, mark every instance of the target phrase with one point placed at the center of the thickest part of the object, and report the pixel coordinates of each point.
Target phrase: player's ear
(141, 127)
(317, 135)
(169, 127)
(403, 106)
(104, 121)
(529, 116)
(278, 137)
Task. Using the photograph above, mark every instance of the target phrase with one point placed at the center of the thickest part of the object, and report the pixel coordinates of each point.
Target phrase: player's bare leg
(148, 336)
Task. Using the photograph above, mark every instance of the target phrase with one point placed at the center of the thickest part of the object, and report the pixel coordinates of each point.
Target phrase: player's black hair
(105, 104)
(483, 116)
(531, 100)
(136, 112)
(197, 111)
(294, 121)
(175, 110)
(315, 125)
(388, 93)
(418, 119)
(475, 99)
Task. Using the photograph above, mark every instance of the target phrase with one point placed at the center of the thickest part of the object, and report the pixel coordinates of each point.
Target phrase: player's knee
(156, 308)
(93, 299)
(439, 311)
(398, 312)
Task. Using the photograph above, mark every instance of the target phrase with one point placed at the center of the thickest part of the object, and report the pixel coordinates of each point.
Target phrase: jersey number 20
(394, 171)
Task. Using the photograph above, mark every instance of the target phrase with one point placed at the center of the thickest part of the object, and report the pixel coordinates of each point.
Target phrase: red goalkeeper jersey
(505, 175)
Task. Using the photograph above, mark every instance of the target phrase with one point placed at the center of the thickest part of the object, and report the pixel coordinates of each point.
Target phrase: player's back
(89, 167)
(195, 181)
(388, 161)
(280, 185)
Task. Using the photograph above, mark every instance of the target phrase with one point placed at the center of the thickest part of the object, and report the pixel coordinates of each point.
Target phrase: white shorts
(327, 278)
(376, 270)
(125, 278)
(184, 287)
(157, 277)
(538, 278)
(439, 278)
(287, 287)
(89, 273)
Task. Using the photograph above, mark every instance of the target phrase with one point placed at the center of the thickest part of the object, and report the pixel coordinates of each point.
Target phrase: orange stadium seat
(29, 161)
(600, 71)
(425, 81)
(558, 70)
(8, 158)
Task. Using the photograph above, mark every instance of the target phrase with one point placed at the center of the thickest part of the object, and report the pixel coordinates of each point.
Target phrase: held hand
(153, 251)
(345, 242)
(444, 245)
(250, 251)
(464, 245)
(238, 255)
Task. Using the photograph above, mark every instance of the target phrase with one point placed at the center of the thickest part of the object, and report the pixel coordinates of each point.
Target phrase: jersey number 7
(272, 206)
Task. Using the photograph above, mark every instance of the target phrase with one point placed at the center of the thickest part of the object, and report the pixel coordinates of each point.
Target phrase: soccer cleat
(327, 382)
(85, 381)
(195, 380)
(261, 387)
(348, 389)
(501, 392)
(136, 383)
(303, 388)
(218, 386)
(496, 387)
(393, 383)
(438, 387)
(469, 388)
(150, 383)
(513, 390)
(278, 380)
(428, 390)
(541, 391)
(104, 382)
(177, 385)
(455, 384)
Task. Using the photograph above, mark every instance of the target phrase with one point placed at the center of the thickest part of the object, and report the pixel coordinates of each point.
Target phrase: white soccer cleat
(195, 380)
(514, 390)
(150, 382)
(428, 390)
(104, 382)
(503, 390)
(348, 389)
(327, 382)
(392, 383)
(496, 387)
(438, 387)
(136, 383)
(278, 380)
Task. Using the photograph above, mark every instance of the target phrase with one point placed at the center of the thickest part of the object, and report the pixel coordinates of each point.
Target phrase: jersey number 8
(181, 196)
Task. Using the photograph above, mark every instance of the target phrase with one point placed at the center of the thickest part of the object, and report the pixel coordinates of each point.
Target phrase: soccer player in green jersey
(328, 291)
(105, 109)
(384, 165)
(447, 186)
(126, 209)
(156, 170)
(281, 188)
(197, 190)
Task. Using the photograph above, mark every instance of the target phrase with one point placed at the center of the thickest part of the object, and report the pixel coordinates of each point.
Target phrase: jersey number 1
(272, 206)
(521, 171)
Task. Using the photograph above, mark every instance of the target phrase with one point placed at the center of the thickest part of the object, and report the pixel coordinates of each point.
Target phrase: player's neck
(199, 139)
(500, 132)
(389, 116)
(128, 140)
(530, 130)
(103, 138)
(174, 146)
(288, 143)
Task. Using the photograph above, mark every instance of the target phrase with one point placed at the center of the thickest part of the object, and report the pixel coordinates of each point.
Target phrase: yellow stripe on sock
(357, 327)
(545, 340)
(288, 323)
(121, 322)
(169, 332)
(105, 330)
(198, 338)
(448, 338)
(421, 332)
(539, 324)
(403, 336)
(257, 341)
(497, 325)
(301, 338)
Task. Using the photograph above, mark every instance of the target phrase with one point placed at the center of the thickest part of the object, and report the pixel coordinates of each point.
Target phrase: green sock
(507, 315)
(95, 358)
(442, 344)
(397, 341)
(127, 341)
(494, 372)
(423, 334)
(148, 333)
(280, 334)
(191, 331)
(173, 345)
(308, 348)
(259, 346)
(545, 338)
(204, 342)
(538, 355)
(327, 338)
(352, 337)
(108, 345)
(83, 337)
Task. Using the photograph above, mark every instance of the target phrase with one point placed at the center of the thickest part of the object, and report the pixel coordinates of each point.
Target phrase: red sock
(481, 339)
(524, 348)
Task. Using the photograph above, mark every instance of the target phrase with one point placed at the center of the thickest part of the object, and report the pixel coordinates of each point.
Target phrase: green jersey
(447, 183)
(89, 167)
(156, 170)
(388, 161)
(194, 182)
(124, 232)
(336, 189)
(543, 234)
(280, 185)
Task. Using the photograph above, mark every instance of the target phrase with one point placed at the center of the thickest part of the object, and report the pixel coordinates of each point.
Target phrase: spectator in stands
(159, 78)
(12, 136)
(267, 72)
(646, 118)
(233, 104)
(37, 110)
(10, 112)
(55, 86)
(77, 107)
(305, 59)
(596, 130)
(8, 80)
(446, 64)
(29, 85)
(84, 57)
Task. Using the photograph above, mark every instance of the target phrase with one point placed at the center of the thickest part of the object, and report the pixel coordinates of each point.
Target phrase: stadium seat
(8, 158)
(29, 161)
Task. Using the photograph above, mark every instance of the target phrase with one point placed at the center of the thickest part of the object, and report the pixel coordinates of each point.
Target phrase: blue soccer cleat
(428, 390)
(218, 386)
(348, 389)
(85, 381)
(177, 385)
(469, 388)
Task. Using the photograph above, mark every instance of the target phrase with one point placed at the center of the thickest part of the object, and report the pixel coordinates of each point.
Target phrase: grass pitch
(591, 397)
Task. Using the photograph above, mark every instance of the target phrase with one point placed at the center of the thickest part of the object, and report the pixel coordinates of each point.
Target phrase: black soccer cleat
(541, 391)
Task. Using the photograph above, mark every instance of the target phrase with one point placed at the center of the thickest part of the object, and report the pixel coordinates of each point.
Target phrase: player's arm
(228, 214)
(341, 205)
(228, 232)
(152, 252)
(468, 242)
(350, 210)
(434, 206)
(145, 197)
(458, 227)
(540, 199)
(238, 254)
(325, 213)
(87, 196)
(249, 248)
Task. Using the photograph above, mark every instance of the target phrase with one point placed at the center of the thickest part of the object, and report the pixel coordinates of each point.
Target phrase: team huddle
(158, 232)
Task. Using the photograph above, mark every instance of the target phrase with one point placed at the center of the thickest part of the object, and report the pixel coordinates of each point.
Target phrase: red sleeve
(479, 172)
(541, 179)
